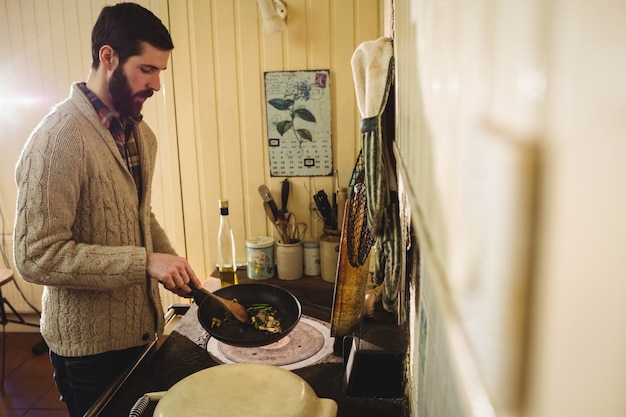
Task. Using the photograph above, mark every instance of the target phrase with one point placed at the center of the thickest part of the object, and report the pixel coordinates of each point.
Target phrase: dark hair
(124, 27)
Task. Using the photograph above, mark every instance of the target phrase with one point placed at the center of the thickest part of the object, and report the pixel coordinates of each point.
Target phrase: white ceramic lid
(244, 389)
(260, 242)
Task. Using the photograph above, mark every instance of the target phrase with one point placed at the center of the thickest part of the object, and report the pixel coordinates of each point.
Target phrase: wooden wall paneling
(203, 36)
(160, 114)
(184, 88)
(347, 134)
(6, 67)
(319, 56)
(210, 115)
(78, 20)
(228, 116)
(274, 51)
(167, 194)
(87, 13)
(22, 100)
(300, 37)
(273, 58)
(61, 53)
(231, 51)
(318, 23)
(30, 74)
(9, 43)
(76, 55)
(5, 44)
(297, 36)
(368, 13)
(250, 96)
(320, 45)
(51, 88)
(272, 47)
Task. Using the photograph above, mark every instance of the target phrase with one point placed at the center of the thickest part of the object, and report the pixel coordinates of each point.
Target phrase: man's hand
(173, 272)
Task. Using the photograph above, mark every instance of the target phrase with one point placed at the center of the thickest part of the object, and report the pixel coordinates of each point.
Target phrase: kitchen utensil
(266, 195)
(237, 310)
(280, 225)
(335, 190)
(287, 306)
(269, 212)
(279, 217)
(295, 228)
(325, 209)
(342, 195)
(360, 239)
(297, 231)
(243, 389)
(284, 230)
(285, 198)
(349, 297)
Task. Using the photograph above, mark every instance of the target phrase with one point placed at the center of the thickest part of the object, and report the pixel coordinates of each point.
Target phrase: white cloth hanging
(373, 70)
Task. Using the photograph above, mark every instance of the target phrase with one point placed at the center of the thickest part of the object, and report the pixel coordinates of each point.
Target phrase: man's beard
(122, 96)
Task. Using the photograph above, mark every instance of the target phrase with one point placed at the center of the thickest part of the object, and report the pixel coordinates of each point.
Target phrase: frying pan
(245, 335)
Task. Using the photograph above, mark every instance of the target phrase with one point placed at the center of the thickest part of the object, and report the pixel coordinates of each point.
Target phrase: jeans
(81, 380)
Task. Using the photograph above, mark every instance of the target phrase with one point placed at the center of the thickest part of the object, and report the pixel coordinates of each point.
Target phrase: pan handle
(197, 294)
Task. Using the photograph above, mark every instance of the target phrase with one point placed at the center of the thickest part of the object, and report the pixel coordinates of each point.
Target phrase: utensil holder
(289, 264)
(329, 254)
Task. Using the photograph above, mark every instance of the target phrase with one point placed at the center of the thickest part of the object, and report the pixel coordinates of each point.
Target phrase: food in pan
(262, 317)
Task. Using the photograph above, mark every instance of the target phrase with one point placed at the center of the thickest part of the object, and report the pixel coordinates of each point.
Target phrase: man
(84, 226)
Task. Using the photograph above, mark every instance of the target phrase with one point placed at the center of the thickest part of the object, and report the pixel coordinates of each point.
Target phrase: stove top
(308, 343)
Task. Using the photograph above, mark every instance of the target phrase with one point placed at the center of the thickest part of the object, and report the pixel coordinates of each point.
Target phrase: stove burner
(307, 343)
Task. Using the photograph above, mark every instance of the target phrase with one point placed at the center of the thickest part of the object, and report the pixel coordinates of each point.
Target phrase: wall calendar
(298, 123)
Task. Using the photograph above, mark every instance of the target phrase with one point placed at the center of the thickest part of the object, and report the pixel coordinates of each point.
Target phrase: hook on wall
(274, 13)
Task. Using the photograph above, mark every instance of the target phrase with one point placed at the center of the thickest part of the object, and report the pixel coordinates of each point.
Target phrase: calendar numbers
(293, 161)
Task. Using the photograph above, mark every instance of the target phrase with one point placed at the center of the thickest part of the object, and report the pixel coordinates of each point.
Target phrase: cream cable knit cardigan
(82, 233)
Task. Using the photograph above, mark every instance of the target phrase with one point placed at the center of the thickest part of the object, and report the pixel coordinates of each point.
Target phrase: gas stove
(307, 344)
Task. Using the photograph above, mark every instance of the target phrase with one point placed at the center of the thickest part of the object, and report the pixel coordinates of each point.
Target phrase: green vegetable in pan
(262, 317)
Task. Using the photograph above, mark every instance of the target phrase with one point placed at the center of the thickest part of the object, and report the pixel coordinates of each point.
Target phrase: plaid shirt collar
(123, 134)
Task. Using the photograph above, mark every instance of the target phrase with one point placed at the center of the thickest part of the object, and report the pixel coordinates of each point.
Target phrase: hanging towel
(373, 69)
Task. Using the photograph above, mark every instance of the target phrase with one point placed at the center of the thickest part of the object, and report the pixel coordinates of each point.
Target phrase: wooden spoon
(280, 223)
(237, 310)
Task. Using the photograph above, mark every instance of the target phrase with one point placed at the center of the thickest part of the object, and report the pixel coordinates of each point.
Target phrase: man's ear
(108, 57)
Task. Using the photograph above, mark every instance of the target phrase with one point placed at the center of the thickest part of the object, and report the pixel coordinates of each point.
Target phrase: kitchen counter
(184, 352)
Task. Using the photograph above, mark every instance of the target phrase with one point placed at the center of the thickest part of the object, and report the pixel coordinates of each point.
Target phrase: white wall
(511, 138)
(580, 336)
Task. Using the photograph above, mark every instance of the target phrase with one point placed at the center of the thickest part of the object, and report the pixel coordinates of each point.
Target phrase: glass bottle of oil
(226, 260)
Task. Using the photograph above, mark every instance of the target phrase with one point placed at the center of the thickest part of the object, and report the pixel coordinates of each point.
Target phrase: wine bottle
(226, 260)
